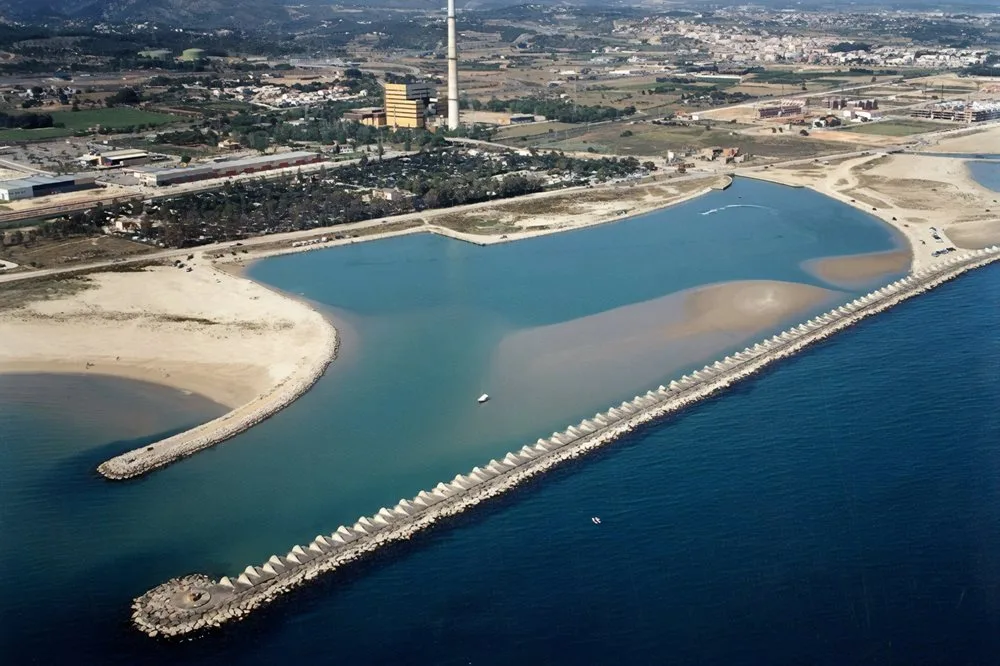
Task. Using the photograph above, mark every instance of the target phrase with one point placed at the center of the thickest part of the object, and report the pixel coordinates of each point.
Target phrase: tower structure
(452, 68)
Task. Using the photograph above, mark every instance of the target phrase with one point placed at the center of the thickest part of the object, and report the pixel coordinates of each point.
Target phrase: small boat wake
(722, 208)
(595, 520)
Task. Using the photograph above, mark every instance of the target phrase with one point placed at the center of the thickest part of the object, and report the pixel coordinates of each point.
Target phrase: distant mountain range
(250, 13)
(236, 12)
(190, 12)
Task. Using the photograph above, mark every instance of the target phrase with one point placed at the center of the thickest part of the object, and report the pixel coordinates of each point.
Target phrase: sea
(843, 507)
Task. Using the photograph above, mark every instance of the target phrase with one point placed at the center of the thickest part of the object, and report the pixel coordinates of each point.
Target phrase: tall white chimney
(452, 68)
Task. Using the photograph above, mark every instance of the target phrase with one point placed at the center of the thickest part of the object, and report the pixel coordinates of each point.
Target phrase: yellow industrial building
(406, 103)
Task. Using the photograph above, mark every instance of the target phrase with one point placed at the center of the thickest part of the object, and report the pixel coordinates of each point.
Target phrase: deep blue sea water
(840, 509)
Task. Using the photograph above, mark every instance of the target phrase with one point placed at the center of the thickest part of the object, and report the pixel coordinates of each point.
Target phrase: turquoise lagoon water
(422, 317)
(986, 174)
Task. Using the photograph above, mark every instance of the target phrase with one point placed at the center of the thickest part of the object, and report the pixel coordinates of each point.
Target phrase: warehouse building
(264, 163)
(115, 158)
(40, 186)
(158, 177)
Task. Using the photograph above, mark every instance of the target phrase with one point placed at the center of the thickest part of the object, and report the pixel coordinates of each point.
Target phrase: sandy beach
(982, 140)
(205, 332)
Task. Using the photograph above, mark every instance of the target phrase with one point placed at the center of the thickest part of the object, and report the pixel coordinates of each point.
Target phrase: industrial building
(115, 158)
(40, 186)
(966, 112)
(158, 177)
(407, 104)
(372, 116)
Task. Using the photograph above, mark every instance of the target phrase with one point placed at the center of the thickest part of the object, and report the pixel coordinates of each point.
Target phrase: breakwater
(166, 451)
(196, 603)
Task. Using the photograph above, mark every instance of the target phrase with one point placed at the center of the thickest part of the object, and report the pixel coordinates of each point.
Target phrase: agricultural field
(74, 121)
(643, 139)
(43, 134)
(115, 118)
(901, 127)
(531, 129)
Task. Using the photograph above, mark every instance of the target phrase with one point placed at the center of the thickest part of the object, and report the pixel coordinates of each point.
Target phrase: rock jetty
(197, 603)
(140, 461)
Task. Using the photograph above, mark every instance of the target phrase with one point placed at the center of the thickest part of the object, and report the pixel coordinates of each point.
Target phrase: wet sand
(857, 269)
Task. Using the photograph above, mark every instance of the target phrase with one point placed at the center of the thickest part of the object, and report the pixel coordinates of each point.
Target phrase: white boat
(596, 520)
(483, 398)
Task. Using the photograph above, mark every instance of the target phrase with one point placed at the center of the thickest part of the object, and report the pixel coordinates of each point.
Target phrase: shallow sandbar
(589, 361)
(857, 269)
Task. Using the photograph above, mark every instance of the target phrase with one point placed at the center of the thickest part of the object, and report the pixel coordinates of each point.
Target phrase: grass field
(43, 134)
(74, 121)
(531, 129)
(113, 118)
(894, 128)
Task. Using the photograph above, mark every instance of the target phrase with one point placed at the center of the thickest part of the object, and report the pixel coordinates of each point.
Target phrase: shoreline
(225, 338)
(197, 603)
(137, 462)
(244, 414)
(426, 224)
(916, 195)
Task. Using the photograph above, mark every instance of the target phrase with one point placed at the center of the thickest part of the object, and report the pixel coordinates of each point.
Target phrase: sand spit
(196, 603)
(850, 270)
(223, 337)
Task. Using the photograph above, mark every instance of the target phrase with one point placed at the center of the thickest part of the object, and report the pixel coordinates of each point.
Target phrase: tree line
(25, 120)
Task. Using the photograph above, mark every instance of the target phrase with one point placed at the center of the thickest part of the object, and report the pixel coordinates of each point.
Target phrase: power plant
(452, 69)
